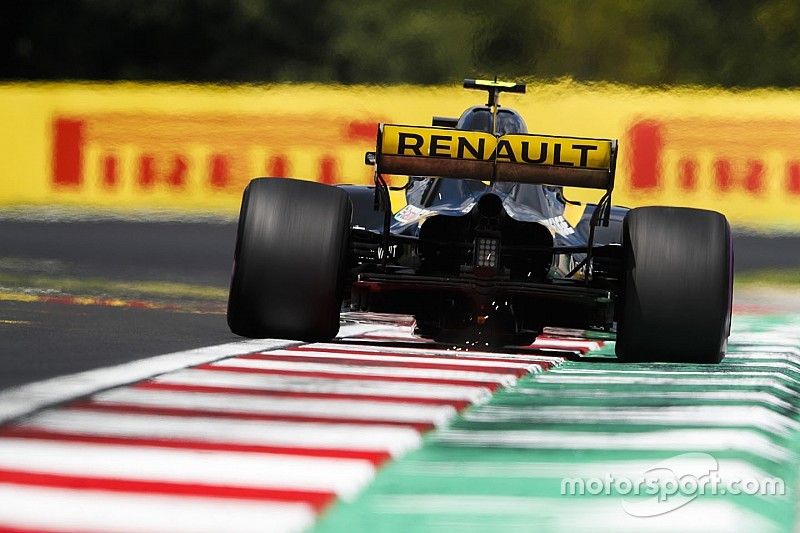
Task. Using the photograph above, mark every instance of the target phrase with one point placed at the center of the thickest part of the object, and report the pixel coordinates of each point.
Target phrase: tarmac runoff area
(126, 405)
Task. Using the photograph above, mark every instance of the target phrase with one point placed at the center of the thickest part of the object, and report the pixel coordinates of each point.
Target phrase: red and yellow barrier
(192, 148)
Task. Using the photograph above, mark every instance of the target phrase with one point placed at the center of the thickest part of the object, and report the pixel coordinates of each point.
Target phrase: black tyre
(676, 305)
(291, 252)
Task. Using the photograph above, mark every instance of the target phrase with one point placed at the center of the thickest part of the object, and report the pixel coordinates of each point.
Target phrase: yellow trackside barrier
(189, 148)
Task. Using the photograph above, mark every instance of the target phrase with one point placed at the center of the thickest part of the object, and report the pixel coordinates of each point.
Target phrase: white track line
(762, 362)
(459, 512)
(664, 373)
(388, 332)
(707, 440)
(252, 404)
(18, 401)
(395, 440)
(475, 364)
(544, 342)
(456, 354)
(376, 387)
(741, 382)
(33, 508)
(728, 469)
(728, 396)
(371, 371)
(566, 344)
(692, 415)
(343, 477)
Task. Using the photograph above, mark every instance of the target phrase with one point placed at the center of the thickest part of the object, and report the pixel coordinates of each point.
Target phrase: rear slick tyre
(290, 258)
(676, 305)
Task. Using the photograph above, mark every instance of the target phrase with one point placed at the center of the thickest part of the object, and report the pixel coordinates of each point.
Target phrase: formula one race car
(481, 255)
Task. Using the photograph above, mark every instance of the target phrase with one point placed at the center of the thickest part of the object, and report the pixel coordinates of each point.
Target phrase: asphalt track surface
(42, 339)
(81, 295)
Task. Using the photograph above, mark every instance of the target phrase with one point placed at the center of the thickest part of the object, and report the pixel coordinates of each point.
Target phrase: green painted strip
(501, 466)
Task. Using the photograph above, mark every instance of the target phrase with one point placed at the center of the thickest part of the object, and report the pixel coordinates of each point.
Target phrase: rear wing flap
(520, 158)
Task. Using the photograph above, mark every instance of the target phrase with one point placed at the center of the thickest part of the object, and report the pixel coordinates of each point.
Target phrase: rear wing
(521, 158)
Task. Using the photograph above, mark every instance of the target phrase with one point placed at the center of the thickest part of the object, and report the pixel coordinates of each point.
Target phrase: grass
(771, 277)
(94, 286)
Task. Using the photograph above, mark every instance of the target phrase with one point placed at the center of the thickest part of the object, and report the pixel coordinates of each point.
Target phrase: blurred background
(738, 44)
(162, 111)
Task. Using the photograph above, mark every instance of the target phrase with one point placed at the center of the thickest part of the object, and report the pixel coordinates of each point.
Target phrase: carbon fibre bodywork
(454, 303)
